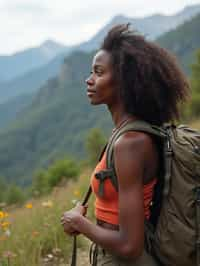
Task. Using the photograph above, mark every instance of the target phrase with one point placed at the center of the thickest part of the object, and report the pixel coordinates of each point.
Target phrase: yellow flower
(6, 214)
(5, 225)
(2, 215)
(29, 206)
(77, 193)
(47, 204)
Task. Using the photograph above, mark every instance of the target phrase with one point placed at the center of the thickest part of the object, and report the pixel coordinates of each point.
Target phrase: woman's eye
(99, 73)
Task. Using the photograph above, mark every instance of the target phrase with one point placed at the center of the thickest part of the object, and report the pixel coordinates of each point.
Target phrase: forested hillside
(11, 109)
(56, 123)
(39, 64)
(60, 116)
(183, 42)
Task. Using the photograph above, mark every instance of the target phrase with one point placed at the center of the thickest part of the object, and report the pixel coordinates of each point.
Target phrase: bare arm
(131, 152)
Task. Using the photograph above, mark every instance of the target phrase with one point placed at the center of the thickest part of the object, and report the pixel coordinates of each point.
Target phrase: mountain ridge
(151, 26)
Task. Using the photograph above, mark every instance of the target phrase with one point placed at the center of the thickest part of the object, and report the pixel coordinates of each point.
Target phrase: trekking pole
(74, 249)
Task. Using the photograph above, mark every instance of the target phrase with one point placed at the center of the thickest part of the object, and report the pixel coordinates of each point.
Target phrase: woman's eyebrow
(96, 66)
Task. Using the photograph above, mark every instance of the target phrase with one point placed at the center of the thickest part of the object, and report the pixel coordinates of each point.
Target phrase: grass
(195, 124)
(35, 234)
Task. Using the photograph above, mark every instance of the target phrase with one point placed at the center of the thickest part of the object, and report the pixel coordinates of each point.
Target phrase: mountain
(183, 42)
(55, 123)
(151, 26)
(31, 81)
(9, 111)
(12, 66)
(59, 116)
(39, 64)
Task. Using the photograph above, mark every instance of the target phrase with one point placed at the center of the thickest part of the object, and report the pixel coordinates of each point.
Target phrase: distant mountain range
(16, 65)
(31, 81)
(151, 26)
(27, 71)
(183, 41)
(58, 117)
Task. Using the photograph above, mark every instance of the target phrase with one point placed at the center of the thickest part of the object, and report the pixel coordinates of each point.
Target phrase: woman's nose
(89, 80)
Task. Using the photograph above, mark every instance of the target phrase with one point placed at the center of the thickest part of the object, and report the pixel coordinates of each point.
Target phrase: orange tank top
(106, 207)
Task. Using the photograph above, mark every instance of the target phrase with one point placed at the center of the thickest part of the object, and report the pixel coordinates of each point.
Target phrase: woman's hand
(69, 219)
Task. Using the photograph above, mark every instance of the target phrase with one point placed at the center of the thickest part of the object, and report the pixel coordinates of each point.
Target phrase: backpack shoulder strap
(131, 126)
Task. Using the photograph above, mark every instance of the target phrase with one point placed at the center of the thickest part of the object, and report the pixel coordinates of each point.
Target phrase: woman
(137, 80)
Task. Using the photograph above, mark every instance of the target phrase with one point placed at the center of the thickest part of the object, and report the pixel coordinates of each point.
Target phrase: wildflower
(77, 193)
(7, 232)
(35, 233)
(47, 204)
(2, 215)
(6, 214)
(74, 201)
(29, 205)
(5, 225)
(9, 254)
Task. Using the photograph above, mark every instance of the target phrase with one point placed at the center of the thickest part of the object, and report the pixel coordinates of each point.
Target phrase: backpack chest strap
(102, 176)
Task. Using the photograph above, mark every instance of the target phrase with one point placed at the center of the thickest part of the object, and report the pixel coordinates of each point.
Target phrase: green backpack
(175, 239)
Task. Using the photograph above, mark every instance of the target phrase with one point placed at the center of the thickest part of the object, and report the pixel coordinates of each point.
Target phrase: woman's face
(100, 84)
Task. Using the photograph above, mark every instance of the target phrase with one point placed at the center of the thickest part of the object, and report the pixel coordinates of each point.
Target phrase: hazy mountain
(183, 42)
(54, 124)
(150, 26)
(12, 66)
(31, 81)
(39, 64)
(9, 111)
(59, 116)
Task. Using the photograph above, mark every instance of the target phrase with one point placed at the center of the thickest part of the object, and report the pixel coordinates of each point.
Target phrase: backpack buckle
(101, 176)
(198, 195)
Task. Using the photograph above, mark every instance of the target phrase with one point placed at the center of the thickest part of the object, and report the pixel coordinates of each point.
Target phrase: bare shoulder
(137, 149)
(134, 142)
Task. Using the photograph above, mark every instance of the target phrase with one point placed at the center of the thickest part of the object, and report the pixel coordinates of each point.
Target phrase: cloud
(28, 22)
(21, 7)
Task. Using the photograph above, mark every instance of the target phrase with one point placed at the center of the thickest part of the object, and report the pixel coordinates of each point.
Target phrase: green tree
(3, 187)
(191, 110)
(62, 169)
(40, 183)
(14, 195)
(195, 83)
(95, 142)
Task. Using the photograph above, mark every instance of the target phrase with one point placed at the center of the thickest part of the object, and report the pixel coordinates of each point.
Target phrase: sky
(28, 23)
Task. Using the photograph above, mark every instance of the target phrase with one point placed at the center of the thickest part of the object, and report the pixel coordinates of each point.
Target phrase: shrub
(14, 195)
(62, 169)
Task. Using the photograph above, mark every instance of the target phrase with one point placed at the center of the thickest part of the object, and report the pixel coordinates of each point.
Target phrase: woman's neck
(120, 116)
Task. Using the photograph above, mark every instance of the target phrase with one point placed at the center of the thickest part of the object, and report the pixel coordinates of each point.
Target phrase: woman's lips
(90, 92)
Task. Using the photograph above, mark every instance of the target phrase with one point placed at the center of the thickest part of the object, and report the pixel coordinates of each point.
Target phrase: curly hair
(150, 82)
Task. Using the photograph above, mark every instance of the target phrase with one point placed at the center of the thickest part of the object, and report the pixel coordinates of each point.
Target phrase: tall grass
(35, 234)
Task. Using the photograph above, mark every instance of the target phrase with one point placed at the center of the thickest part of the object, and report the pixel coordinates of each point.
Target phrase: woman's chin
(94, 102)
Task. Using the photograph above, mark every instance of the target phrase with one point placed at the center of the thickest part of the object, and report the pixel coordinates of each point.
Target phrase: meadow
(32, 234)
